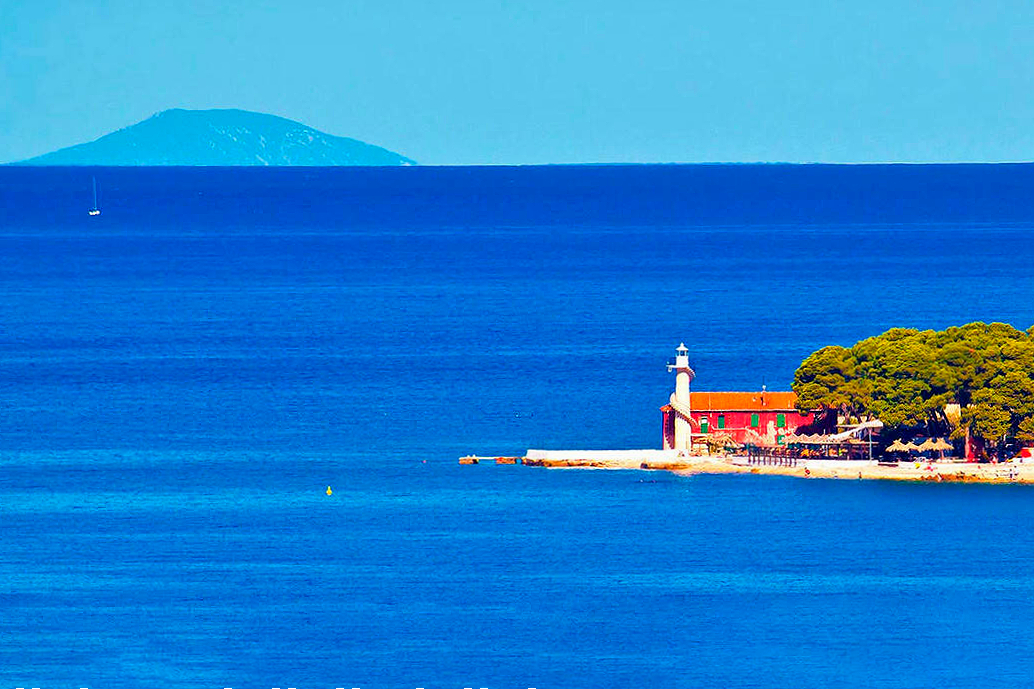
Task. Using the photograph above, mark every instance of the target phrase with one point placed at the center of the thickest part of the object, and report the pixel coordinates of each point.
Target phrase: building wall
(738, 424)
(771, 424)
(668, 430)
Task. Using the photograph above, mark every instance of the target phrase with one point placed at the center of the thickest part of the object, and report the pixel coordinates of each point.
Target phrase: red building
(760, 418)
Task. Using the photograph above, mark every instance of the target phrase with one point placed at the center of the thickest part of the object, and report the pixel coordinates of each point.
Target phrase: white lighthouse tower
(680, 398)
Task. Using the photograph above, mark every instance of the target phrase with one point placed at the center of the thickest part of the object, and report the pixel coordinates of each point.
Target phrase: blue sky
(483, 81)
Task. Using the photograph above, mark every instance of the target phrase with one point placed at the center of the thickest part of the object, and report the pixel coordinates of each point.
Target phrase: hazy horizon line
(25, 163)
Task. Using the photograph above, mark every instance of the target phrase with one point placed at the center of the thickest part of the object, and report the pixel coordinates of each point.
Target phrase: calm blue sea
(182, 377)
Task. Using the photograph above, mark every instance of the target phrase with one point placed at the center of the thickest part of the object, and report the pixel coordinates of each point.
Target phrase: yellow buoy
(329, 491)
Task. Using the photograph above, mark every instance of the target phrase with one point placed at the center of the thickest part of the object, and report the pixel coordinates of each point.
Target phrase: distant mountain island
(220, 137)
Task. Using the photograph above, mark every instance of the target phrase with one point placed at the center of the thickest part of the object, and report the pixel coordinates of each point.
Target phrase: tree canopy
(908, 377)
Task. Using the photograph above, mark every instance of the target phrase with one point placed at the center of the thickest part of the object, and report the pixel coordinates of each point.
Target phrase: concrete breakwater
(602, 459)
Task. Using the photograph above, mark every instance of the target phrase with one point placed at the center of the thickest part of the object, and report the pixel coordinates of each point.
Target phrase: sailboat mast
(94, 210)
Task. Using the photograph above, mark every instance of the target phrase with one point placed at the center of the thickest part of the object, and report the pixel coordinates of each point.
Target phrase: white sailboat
(95, 210)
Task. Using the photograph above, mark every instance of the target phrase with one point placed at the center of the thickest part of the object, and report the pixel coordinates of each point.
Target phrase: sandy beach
(957, 472)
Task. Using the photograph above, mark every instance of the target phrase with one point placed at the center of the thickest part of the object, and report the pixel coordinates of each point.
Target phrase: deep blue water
(182, 377)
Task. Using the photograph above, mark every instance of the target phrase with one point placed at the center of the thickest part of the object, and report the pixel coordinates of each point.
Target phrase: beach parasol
(929, 445)
(896, 446)
(941, 445)
(910, 447)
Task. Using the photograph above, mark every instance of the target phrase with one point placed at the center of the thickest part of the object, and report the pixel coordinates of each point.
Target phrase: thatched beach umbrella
(941, 445)
(897, 446)
(930, 445)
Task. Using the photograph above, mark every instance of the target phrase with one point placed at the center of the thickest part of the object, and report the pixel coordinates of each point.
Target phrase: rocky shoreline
(937, 472)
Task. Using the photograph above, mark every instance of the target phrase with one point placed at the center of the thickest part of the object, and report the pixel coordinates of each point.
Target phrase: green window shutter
(703, 425)
(780, 420)
(721, 421)
(755, 420)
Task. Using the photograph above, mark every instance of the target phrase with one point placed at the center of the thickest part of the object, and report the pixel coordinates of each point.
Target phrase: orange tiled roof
(742, 401)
